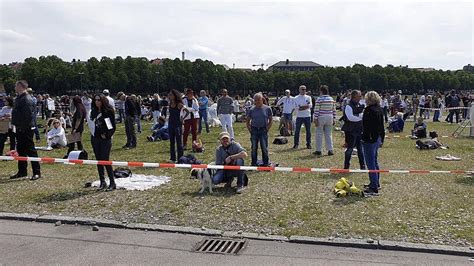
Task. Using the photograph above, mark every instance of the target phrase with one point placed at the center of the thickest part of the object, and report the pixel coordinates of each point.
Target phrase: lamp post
(81, 74)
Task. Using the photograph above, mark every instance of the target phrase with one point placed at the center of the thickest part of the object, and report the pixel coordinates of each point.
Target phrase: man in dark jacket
(130, 118)
(352, 128)
(453, 101)
(22, 120)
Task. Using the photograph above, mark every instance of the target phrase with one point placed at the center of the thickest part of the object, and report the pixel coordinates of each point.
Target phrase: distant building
(295, 66)
(78, 61)
(468, 68)
(15, 66)
(157, 61)
(226, 67)
(424, 69)
(244, 69)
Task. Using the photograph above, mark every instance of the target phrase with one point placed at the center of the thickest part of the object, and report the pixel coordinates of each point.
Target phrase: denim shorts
(288, 117)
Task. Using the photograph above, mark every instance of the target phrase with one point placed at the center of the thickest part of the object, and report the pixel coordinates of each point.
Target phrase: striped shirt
(324, 106)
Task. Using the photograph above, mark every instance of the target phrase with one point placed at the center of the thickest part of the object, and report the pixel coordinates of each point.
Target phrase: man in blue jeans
(230, 153)
(259, 122)
(203, 105)
(303, 104)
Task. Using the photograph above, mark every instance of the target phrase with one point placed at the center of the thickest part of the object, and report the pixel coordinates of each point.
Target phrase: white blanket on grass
(138, 182)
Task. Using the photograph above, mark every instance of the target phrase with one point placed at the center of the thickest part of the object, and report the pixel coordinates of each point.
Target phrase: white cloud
(84, 38)
(11, 35)
(455, 53)
(425, 34)
(203, 51)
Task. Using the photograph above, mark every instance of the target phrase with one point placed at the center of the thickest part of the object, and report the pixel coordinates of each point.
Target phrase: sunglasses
(97, 100)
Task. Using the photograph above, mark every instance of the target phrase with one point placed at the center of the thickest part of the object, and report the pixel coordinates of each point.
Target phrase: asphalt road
(44, 243)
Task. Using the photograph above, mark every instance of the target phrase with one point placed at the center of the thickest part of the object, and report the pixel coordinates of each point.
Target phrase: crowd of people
(421, 105)
(177, 115)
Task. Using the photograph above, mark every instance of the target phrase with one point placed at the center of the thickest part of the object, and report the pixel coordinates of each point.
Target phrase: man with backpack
(288, 103)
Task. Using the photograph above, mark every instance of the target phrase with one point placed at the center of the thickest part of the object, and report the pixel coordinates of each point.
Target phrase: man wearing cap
(110, 99)
(288, 103)
(229, 153)
(22, 120)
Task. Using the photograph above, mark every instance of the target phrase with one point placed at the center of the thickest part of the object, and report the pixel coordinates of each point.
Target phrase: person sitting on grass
(419, 129)
(430, 144)
(159, 131)
(396, 123)
(230, 153)
(56, 137)
(58, 115)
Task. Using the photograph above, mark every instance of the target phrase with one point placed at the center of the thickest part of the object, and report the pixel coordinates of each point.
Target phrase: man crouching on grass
(229, 153)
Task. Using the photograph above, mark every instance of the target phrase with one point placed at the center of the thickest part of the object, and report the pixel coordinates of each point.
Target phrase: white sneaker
(240, 190)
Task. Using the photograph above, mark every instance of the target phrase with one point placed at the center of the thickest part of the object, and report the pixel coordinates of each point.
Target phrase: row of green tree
(53, 75)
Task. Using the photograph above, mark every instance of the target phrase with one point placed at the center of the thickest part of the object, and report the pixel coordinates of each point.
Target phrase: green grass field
(434, 208)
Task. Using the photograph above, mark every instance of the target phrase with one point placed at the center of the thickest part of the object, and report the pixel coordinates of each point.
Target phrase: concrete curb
(338, 242)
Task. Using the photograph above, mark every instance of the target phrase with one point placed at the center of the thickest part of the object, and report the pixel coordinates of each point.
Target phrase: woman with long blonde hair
(373, 135)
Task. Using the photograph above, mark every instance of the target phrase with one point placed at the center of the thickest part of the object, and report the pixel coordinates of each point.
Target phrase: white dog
(205, 177)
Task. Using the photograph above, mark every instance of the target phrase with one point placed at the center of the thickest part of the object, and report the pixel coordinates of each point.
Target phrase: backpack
(122, 172)
(189, 159)
(280, 140)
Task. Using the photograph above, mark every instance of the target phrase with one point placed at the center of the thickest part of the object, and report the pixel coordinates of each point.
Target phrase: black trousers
(3, 139)
(130, 131)
(451, 116)
(176, 139)
(353, 141)
(26, 147)
(71, 146)
(102, 149)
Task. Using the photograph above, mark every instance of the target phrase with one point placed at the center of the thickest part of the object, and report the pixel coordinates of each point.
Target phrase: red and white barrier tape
(444, 109)
(227, 167)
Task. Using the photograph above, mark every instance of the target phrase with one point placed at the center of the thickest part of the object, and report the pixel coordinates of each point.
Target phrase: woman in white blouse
(56, 135)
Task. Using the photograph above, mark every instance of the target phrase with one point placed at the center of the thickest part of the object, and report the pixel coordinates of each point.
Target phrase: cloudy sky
(435, 34)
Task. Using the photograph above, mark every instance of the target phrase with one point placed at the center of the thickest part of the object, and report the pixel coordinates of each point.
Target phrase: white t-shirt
(422, 101)
(6, 110)
(288, 104)
(57, 136)
(50, 104)
(236, 106)
(404, 104)
(302, 100)
(87, 103)
(111, 102)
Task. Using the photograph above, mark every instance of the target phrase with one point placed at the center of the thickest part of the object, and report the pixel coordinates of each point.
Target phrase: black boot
(112, 185)
(102, 185)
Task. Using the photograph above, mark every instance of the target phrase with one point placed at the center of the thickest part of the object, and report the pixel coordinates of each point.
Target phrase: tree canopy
(51, 74)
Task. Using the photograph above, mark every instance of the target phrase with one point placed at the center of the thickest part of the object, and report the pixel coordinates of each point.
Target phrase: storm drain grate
(221, 246)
